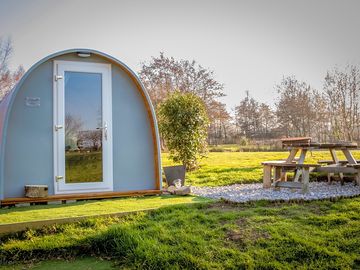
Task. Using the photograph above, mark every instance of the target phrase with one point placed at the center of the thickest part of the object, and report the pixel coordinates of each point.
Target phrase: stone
(36, 191)
(185, 190)
(177, 183)
(255, 192)
(171, 189)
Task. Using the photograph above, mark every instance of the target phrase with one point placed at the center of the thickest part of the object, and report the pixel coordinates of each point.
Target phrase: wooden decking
(80, 196)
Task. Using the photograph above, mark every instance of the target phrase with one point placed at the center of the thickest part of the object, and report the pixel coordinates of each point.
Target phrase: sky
(250, 45)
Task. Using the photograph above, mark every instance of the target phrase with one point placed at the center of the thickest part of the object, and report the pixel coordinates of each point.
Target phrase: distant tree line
(328, 114)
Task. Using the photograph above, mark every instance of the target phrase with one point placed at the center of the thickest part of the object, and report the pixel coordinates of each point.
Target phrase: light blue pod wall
(28, 141)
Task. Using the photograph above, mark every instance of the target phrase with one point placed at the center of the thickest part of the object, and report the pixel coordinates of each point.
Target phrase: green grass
(77, 264)
(88, 208)
(226, 168)
(218, 235)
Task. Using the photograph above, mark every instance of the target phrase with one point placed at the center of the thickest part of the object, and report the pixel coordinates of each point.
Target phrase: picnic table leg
(357, 178)
(292, 155)
(267, 176)
(350, 158)
(305, 179)
(289, 159)
(301, 161)
(336, 160)
(278, 176)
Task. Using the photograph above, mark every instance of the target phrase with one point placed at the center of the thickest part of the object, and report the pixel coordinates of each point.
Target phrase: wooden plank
(357, 178)
(81, 196)
(278, 173)
(292, 155)
(335, 169)
(267, 177)
(282, 184)
(338, 145)
(291, 165)
(336, 161)
(301, 161)
(305, 180)
(333, 162)
(22, 226)
(349, 156)
(295, 139)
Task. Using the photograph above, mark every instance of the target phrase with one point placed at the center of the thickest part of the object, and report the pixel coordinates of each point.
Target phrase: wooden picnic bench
(273, 172)
(305, 144)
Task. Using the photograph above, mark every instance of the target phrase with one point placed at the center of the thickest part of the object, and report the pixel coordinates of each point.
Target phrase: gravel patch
(255, 192)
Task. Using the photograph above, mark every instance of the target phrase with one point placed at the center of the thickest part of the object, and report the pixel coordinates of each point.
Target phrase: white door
(82, 127)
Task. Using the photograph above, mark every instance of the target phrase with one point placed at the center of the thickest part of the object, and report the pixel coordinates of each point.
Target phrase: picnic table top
(302, 142)
(277, 163)
(314, 145)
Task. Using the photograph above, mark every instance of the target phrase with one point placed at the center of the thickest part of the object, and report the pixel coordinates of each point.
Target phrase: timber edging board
(80, 196)
(37, 224)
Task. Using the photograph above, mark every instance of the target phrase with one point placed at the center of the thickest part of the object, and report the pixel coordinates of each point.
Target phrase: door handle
(104, 128)
(57, 127)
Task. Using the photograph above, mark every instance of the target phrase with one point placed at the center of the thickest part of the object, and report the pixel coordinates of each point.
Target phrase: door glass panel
(83, 119)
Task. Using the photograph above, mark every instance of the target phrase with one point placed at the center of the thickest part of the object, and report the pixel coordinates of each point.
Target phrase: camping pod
(80, 123)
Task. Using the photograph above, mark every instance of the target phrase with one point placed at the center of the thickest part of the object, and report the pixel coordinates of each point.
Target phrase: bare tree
(219, 122)
(342, 89)
(295, 108)
(7, 78)
(163, 75)
(73, 125)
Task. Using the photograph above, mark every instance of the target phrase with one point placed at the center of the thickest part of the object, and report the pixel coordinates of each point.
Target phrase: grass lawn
(77, 264)
(88, 208)
(212, 235)
(226, 168)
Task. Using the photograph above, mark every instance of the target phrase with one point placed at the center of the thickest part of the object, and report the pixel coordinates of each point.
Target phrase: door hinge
(58, 178)
(58, 77)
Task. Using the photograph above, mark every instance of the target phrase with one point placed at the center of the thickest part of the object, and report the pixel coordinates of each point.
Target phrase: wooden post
(267, 176)
(349, 156)
(301, 161)
(305, 179)
(278, 174)
(336, 160)
(290, 158)
(292, 155)
(357, 178)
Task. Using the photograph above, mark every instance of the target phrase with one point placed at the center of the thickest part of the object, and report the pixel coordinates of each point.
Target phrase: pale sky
(250, 45)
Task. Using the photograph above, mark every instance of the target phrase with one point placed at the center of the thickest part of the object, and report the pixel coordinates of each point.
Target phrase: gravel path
(255, 192)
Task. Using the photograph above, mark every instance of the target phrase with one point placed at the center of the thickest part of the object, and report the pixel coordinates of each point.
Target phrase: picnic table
(304, 145)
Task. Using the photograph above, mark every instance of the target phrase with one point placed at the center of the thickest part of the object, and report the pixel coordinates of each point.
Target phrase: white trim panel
(61, 187)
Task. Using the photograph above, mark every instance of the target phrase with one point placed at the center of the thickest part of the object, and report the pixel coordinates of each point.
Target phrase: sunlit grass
(89, 208)
(226, 168)
(314, 235)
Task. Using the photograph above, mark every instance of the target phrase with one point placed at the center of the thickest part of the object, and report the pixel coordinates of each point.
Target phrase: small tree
(183, 124)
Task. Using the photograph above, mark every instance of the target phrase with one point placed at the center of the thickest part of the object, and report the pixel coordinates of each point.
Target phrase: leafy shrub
(183, 124)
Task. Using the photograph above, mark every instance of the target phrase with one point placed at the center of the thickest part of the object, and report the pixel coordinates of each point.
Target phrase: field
(192, 233)
(226, 168)
(215, 235)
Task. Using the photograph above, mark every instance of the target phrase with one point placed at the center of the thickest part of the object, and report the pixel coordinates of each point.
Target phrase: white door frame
(60, 186)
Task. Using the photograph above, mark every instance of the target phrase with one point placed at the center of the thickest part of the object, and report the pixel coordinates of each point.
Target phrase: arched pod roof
(7, 104)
